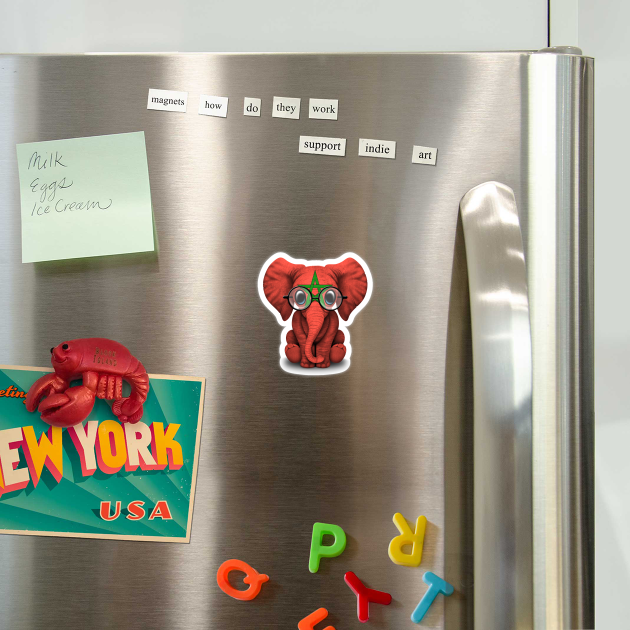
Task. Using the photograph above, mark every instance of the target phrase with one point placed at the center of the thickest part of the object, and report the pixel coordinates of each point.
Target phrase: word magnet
(323, 108)
(213, 106)
(407, 537)
(424, 155)
(377, 148)
(319, 551)
(251, 106)
(285, 107)
(322, 146)
(252, 577)
(167, 100)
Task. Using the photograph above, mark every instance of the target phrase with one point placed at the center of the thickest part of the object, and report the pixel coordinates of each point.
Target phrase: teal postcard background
(72, 505)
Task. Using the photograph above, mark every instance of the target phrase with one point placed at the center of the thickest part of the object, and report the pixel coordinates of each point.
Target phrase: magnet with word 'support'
(407, 537)
(252, 577)
(365, 595)
(309, 623)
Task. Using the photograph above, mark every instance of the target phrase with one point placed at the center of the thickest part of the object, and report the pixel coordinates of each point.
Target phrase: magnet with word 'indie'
(319, 550)
(407, 537)
(365, 595)
(436, 586)
(102, 364)
(252, 577)
(309, 623)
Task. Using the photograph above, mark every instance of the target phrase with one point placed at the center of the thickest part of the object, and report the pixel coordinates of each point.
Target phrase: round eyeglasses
(329, 298)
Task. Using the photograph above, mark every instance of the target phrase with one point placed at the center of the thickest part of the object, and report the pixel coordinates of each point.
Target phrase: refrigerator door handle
(502, 369)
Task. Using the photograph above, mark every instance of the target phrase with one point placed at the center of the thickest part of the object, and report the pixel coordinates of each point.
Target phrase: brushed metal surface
(278, 452)
(502, 368)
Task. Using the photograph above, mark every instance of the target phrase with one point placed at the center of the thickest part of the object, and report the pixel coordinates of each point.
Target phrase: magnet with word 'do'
(252, 577)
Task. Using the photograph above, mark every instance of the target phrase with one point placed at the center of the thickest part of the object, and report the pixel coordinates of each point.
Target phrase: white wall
(604, 27)
(270, 25)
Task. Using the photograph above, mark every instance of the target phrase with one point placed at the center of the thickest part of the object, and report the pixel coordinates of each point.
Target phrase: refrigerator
(464, 392)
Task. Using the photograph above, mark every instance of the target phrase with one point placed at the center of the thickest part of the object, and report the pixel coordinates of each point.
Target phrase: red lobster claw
(128, 410)
(68, 408)
(44, 386)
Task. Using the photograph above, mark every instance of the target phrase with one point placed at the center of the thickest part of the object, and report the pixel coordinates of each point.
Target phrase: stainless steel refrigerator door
(279, 452)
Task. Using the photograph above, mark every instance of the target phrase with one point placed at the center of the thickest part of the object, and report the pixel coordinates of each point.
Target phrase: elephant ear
(277, 283)
(352, 282)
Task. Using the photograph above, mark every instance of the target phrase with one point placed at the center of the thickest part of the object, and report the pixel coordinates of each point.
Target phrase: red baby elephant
(316, 295)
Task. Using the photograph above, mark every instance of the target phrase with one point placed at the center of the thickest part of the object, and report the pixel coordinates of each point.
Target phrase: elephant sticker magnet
(315, 301)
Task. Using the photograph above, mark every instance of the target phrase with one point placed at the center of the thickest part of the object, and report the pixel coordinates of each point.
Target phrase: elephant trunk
(315, 317)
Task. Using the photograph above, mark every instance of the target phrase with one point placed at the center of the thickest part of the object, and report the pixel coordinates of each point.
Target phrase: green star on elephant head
(315, 288)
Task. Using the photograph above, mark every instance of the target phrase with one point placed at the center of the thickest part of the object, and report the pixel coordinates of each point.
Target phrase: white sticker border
(294, 368)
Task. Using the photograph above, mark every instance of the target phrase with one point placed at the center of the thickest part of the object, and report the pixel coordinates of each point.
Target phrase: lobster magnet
(308, 298)
(103, 364)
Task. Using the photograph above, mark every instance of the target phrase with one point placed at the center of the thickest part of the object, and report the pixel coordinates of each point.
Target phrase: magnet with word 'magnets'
(252, 577)
(319, 551)
(407, 537)
(309, 623)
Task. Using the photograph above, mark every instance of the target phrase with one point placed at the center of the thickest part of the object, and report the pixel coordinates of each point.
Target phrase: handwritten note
(85, 197)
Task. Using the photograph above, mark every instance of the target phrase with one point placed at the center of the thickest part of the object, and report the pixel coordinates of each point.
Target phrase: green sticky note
(85, 197)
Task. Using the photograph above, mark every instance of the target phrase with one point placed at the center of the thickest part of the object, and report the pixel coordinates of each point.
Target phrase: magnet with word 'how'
(365, 595)
(252, 577)
(309, 623)
(436, 586)
(407, 537)
(319, 550)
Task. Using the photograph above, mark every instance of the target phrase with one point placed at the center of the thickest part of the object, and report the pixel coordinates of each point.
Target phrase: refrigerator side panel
(559, 254)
